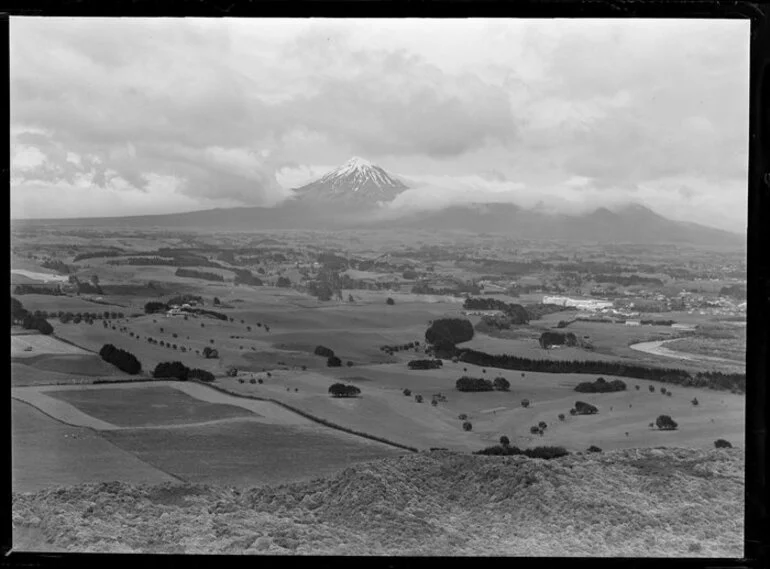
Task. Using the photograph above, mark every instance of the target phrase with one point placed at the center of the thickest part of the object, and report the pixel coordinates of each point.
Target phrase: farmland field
(41, 344)
(145, 406)
(248, 453)
(49, 454)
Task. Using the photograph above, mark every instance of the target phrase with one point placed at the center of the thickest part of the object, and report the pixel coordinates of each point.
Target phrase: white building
(590, 304)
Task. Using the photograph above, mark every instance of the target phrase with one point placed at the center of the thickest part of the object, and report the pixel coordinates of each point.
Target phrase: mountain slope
(356, 181)
(632, 502)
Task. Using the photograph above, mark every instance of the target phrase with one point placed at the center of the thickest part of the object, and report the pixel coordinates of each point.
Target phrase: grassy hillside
(633, 502)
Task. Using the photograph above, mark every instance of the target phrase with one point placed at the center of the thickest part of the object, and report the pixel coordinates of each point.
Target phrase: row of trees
(121, 359)
(36, 289)
(505, 449)
(193, 274)
(515, 312)
(711, 379)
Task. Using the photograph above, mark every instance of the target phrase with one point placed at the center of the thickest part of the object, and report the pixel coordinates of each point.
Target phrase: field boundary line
(73, 344)
(309, 416)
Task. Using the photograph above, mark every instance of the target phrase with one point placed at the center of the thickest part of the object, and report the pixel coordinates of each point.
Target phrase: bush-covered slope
(634, 502)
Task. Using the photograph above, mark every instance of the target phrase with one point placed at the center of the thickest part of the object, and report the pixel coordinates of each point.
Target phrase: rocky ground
(632, 502)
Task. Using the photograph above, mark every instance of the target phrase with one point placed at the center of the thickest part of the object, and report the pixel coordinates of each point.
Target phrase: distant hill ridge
(356, 195)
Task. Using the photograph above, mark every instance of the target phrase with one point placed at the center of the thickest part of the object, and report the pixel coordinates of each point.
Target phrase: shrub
(323, 351)
(175, 370)
(652, 389)
(418, 398)
(583, 408)
(121, 359)
(666, 423)
(174, 335)
(525, 403)
(466, 383)
(407, 392)
(342, 390)
(593, 448)
(333, 361)
(462, 416)
(350, 364)
(636, 387)
(695, 401)
(467, 426)
(573, 412)
(668, 393)
(722, 443)
(390, 302)
(561, 416)
(534, 429)
(501, 384)
(241, 380)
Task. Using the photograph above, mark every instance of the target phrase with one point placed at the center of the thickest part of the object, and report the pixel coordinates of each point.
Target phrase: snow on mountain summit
(356, 181)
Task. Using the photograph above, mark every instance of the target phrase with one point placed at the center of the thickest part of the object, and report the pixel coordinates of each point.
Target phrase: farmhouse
(633, 323)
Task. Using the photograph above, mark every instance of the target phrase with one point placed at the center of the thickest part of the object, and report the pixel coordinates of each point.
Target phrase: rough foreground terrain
(632, 502)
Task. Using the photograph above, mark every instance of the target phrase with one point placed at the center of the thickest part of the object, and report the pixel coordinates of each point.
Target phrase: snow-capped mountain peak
(357, 180)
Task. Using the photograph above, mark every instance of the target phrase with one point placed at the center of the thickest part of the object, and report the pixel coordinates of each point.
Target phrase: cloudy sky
(123, 117)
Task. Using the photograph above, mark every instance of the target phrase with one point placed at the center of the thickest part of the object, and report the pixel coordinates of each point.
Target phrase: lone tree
(593, 448)
(333, 361)
(418, 398)
(652, 389)
(543, 425)
(722, 443)
(505, 441)
(467, 426)
(666, 423)
(390, 302)
(695, 401)
(561, 416)
(525, 403)
(342, 390)
(408, 392)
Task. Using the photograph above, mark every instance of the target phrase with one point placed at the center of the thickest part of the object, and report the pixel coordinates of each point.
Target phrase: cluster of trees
(121, 359)
(333, 361)
(27, 320)
(212, 313)
(734, 291)
(343, 390)
(425, 364)
(666, 423)
(171, 370)
(601, 386)
(445, 333)
(283, 282)
(155, 306)
(323, 351)
(516, 313)
(583, 408)
(36, 289)
(193, 274)
(544, 452)
(711, 379)
(550, 338)
(722, 443)
(322, 290)
(656, 322)
(466, 383)
(179, 261)
(56, 265)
